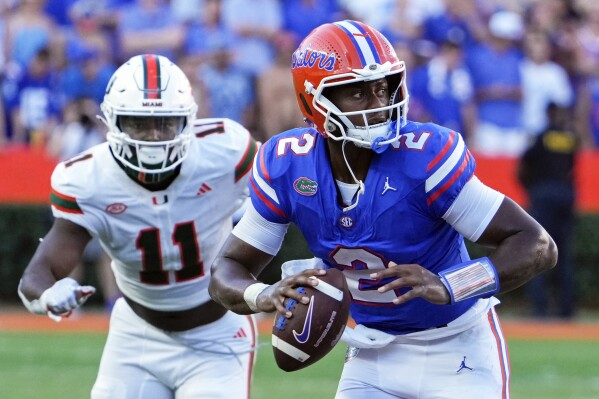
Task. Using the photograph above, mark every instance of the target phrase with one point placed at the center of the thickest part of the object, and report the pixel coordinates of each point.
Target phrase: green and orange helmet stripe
(152, 83)
(64, 202)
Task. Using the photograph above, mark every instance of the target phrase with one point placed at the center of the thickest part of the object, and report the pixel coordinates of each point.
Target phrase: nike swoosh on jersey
(305, 334)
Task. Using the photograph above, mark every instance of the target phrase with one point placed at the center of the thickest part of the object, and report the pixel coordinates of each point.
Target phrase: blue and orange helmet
(346, 52)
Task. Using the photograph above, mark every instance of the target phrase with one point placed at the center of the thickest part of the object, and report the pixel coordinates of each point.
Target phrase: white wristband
(36, 306)
(250, 295)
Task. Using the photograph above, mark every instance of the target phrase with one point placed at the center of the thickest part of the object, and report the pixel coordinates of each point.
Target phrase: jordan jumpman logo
(463, 366)
(387, 187)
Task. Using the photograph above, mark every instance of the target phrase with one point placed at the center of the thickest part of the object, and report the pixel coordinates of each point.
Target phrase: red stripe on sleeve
(440, 155)
(448, 184)
(263, 166)
(266, 201)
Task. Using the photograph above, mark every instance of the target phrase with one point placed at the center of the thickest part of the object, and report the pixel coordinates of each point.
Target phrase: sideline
(91, 322)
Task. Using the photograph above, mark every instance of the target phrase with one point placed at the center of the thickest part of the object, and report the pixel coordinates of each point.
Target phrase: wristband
(36, 306)
(250, 295)
(472, 279)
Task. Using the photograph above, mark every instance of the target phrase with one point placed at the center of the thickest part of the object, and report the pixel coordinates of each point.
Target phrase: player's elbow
(213, 286)
(546, 252)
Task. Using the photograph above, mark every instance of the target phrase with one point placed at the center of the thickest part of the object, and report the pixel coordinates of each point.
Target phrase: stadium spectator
(587, 39)
(79, 130)
(276, 101)
(495, 69)
(587, 111)
(461, 20)
(206, 34)
(229, 90)
(88, 30)
(86, 74)
(149, 26)
(443, 90)
(301, 16)
(28, 29)
(543, 82)
(406, 17)
(547, 173)
(257, 23)
(33, 100)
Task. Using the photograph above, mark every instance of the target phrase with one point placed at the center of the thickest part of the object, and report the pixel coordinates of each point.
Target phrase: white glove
(364, 337)
(59, 300)
(293, 267)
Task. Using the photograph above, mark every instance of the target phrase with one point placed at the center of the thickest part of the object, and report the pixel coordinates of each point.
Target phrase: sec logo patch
(346, 222)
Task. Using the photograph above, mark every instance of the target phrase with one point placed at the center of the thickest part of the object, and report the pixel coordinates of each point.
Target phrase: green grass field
(63, 366)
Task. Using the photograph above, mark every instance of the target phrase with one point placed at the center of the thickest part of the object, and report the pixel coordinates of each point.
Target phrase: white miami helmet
(149, 110)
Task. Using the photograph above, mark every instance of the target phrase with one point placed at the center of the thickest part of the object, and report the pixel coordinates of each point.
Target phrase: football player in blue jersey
(389, 202)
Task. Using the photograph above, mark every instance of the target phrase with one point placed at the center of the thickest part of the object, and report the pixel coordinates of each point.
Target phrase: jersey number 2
(184, 236)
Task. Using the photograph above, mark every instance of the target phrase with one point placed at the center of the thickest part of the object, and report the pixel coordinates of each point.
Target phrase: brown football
(315, 328)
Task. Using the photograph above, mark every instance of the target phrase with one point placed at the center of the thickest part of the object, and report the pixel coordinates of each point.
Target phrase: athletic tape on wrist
(476, 278)
(250, 295)
(35, 306)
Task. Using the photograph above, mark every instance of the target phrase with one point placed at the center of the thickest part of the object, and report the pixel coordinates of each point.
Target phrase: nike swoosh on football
(305, 334)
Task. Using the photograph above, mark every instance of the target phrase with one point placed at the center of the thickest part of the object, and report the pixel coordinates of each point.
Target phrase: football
(314, 328)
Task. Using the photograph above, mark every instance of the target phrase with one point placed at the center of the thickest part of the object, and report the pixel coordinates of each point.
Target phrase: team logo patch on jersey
(116, 209)
(346, 222)
(305, 186)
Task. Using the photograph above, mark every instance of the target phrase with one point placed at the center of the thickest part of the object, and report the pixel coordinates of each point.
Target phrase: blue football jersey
(409, 187)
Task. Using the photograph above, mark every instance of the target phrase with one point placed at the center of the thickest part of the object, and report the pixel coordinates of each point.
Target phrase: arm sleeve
(473, 209)
(259, 232)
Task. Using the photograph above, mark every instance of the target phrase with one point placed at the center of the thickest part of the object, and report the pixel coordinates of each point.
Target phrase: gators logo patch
(305, 186)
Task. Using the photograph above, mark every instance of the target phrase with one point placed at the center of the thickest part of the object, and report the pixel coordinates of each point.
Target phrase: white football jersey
(162, 243)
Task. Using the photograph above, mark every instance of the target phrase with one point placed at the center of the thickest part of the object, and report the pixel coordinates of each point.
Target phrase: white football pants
(473, 363)
(142, 361)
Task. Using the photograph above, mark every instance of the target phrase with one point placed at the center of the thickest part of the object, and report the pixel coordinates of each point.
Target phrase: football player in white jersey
(160, 195)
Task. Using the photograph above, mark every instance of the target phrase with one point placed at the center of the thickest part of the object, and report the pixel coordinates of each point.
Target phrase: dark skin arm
(55, 258)
(522, 250)
(234, 270)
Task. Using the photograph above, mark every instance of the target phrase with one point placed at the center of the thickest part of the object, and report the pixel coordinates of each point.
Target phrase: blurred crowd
(487, 68)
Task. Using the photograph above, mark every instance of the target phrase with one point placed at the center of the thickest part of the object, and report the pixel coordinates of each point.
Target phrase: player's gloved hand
(59, 300)
(65, 296)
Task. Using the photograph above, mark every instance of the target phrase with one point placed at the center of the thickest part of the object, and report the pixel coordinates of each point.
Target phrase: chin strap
(360, 184)
(377, 147)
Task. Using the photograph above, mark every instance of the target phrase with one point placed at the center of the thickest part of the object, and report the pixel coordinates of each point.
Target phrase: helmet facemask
(377, 137)
(156, 155)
